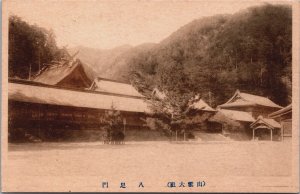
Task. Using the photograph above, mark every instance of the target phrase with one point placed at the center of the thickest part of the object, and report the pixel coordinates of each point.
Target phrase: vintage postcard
(150, 96)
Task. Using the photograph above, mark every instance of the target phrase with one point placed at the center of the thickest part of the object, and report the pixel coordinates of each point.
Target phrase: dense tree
(112, 121)
(250, 51)
(258, 46)
(30, 46)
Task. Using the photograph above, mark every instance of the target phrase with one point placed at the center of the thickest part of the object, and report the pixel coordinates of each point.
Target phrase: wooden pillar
(124, 124)
(281, 124)
(176, 135)
(253, 134)
(281, 133)
(184, 136)
(222, 129)
(271, 134)
(29, 76)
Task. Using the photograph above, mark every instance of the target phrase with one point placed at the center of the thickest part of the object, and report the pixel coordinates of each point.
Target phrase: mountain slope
(110, 63)
(98, 59)
(210, 56)
(119, 68)
(250, 51)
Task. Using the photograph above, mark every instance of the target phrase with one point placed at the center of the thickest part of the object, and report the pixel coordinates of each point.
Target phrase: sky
(107, 24)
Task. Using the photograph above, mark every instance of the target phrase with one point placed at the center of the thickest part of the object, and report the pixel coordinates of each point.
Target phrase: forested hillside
(250, 51)
(30, 48)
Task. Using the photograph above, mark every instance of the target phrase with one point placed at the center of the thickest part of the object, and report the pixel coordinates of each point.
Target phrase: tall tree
(30, 48)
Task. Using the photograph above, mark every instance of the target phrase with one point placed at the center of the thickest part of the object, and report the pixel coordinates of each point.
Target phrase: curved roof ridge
(54, 74)
(249, 98)
(269, 122)
(282, 111)
(260, 100)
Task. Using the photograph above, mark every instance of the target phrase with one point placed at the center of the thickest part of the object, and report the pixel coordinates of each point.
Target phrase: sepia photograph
(150, 96)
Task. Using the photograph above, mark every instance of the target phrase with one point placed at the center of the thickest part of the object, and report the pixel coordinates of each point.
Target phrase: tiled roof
(261, 121)
(282, 111)
(75, 98)
(237, 115)
(55, 73)
(111, 86)
(202, 105)
(245, 99)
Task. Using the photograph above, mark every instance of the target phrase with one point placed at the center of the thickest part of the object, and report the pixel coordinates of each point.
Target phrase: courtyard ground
(223, 165)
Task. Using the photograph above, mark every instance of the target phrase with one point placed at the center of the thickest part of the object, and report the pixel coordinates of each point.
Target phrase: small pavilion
(265, 123)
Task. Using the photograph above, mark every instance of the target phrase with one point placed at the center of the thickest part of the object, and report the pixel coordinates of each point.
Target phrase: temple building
(65, 73)
(265, 129)
(244, 113)
(253, 104)
(39, 109)
(284, 117)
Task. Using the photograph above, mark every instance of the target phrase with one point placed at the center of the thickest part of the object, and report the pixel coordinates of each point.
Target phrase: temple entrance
(262, 133)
